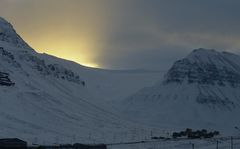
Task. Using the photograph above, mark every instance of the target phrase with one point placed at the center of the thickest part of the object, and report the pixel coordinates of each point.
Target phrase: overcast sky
(124, 34)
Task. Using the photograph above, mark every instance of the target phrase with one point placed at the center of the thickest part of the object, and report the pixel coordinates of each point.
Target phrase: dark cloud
(140, 33)
(154, 33)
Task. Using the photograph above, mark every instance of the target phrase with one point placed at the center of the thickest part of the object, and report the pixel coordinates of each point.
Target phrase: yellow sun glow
(71, 30)
(74, 48)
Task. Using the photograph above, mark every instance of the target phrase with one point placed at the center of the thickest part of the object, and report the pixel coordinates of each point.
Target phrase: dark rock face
(202, 73)
(8, 57)
(41, 66)
(6, 53)
(5, 80)
(54, 70)
(214, 100)
(208, 70)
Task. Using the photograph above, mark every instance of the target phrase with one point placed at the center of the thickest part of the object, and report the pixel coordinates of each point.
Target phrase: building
(12, 143)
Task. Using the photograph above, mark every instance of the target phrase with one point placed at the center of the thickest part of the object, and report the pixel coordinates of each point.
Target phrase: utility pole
(193, 146)
(231, 142)
(217, 144)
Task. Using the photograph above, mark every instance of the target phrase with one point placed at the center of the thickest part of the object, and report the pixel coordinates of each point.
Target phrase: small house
(13, 143)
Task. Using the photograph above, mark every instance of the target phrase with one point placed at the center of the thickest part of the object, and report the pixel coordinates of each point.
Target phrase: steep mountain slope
(44, 99)
(110, 85)
(199, 91)
(9, 36)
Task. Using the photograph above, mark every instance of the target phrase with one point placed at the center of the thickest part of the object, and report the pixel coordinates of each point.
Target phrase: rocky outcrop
(5, 80)
(193, 71)
(19, 58)
(54, 70)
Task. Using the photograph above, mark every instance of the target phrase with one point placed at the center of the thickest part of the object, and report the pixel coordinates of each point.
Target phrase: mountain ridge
(200, 90)
(9, 35)
(48, 98)
(206, 66)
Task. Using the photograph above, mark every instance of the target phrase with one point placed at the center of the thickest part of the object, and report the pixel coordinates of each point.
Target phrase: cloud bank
(149, 34)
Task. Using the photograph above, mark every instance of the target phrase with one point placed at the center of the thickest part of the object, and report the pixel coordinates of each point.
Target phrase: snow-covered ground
(182, 144)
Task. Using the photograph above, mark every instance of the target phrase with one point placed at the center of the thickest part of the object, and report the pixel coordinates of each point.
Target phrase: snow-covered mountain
(9, 36)
(199, 91)
(47, 99)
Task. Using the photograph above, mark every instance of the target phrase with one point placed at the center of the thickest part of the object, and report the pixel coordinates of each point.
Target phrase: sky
(125, 34)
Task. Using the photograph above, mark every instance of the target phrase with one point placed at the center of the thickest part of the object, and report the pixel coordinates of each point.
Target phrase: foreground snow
(222, 143)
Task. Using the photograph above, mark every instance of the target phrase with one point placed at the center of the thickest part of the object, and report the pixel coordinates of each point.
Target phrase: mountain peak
(202, 50)
(9, 36)
(203, 55)
(201, 89)
(213, 57)
(204, 66)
